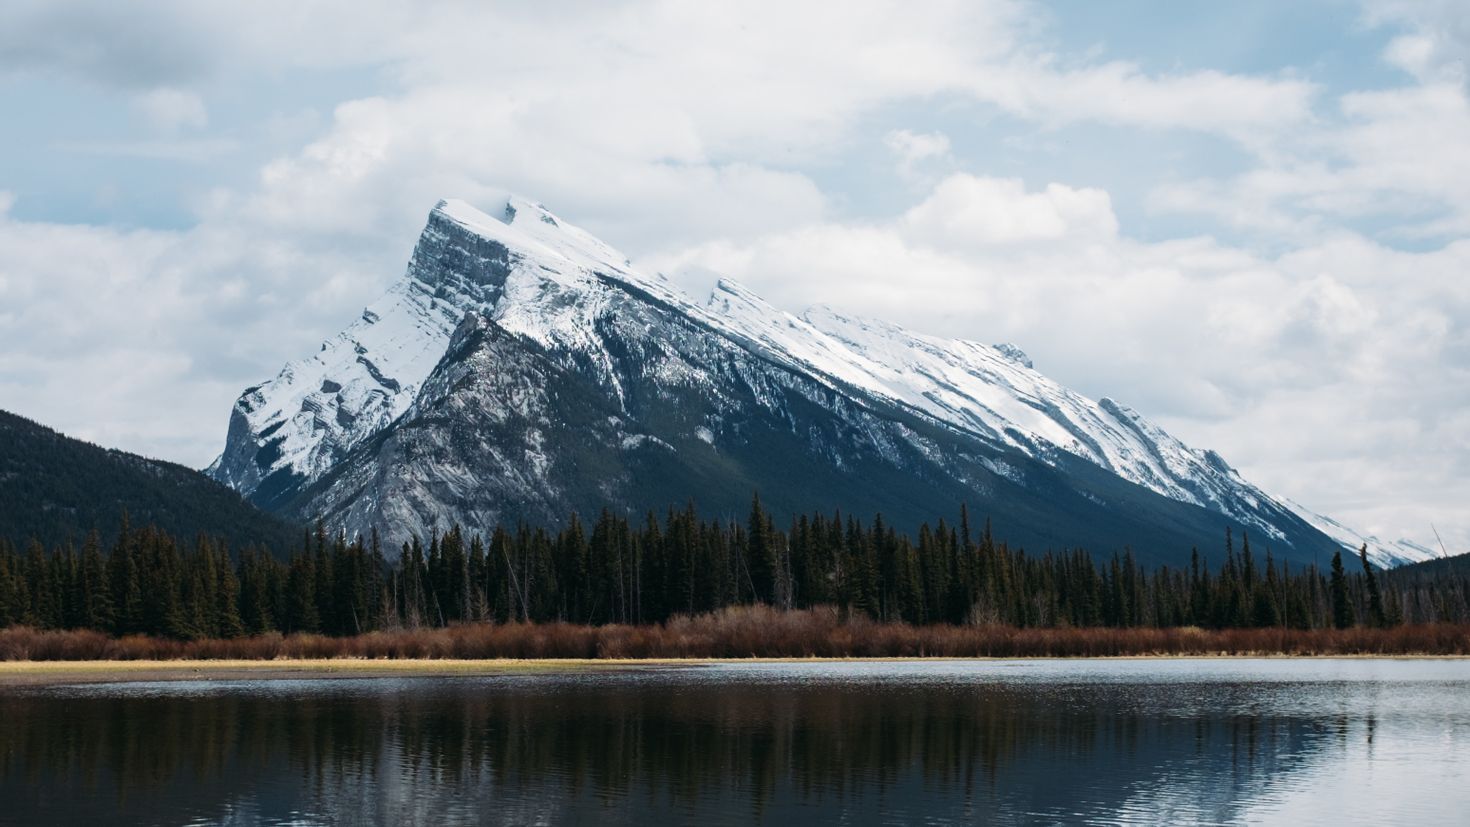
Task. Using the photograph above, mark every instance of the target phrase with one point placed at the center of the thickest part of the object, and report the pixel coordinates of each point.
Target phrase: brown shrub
(745, 632)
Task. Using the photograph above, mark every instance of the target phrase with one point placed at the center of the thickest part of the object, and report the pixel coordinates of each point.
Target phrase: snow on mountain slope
(993, 392)
(290, 430)
(317, 408)
(972, 385)
(1380, 553)
(541, 278)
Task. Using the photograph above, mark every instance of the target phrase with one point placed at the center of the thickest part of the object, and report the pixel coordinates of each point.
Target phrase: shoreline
(43, 674)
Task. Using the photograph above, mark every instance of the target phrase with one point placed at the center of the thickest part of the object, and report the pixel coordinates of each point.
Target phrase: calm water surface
(1043, 742)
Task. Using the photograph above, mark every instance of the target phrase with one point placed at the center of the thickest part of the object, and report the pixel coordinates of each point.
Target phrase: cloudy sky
(1248, 220)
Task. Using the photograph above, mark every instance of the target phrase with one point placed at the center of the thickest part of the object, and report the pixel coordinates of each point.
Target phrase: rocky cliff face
(522, 369)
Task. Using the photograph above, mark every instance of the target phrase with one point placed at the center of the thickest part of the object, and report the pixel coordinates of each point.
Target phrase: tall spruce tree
(760, 553)
(1376, 615)
(96, 596)
(1342, 607)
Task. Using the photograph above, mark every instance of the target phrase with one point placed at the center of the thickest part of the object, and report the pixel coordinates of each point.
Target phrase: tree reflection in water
(656, 748)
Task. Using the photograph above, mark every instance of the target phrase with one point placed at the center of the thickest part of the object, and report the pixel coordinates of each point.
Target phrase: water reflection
(1133, 742)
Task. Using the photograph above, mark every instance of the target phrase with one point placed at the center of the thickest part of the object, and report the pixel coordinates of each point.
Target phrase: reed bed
(745, 632)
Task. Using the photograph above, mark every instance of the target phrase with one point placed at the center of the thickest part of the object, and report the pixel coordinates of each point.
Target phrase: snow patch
(632, 441)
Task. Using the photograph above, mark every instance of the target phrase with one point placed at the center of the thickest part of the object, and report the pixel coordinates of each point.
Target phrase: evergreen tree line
(621, 571)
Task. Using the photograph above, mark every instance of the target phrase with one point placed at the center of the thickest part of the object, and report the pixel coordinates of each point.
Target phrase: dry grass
(742, 632)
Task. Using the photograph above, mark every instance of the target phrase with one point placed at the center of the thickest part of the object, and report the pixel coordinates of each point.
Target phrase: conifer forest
(618, 571)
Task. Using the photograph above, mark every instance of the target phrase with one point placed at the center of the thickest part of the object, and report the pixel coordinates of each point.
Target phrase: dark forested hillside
(1456, 566)
(56, 489)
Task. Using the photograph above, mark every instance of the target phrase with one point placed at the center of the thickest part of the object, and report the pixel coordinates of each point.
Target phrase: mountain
(1387, 554)
(57, 489)
(522, 368)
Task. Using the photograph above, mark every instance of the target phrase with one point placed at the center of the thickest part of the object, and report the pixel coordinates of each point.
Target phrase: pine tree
(1342, 609)
(96, 609)
(1266, 612)
(574, 561)
(323, 583)
(226, 609)
(45, 606)
(123, 580)
(1376, 615)
(301, 601)
(863, 563)
(476, 607)
(761, 559)
(257, 604)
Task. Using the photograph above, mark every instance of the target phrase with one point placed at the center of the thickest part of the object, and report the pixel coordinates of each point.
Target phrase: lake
(1026, 742)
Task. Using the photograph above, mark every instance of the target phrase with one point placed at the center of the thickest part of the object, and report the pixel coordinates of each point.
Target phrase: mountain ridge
(533, 275)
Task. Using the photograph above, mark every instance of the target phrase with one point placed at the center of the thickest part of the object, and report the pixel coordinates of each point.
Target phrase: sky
(1250, 221)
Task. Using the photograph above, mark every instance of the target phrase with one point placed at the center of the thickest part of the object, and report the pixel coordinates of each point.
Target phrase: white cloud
(729, 76)
(588, 114)
(966, 211)
(378, 169)
(1414, 54)
(1437, 47)
(1394, 156)
(1242, 107)
(64, 290)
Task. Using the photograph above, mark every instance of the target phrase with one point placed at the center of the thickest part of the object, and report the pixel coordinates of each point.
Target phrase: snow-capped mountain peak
(531, 274)
(562, 237)
(530, 233)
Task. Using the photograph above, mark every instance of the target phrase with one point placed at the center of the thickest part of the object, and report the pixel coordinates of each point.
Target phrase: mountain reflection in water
(856, 743)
